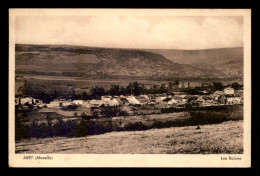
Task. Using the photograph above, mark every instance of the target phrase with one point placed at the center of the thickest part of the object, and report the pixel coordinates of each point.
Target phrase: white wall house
(96, 103)
(106, 98)
(229, 91)
(53, 104)
(78, 102)
(132, 100)
(233, 99)
(172, 101)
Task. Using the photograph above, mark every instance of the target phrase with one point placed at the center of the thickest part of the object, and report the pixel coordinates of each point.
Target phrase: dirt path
(220, 138)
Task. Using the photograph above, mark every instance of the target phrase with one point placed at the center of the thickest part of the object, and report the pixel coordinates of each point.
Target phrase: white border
(134, 160)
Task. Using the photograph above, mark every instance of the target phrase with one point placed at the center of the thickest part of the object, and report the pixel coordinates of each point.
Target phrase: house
(179, 94)
(143, 100)
(204, 101)
(54, 104)
(172, 102)
(78, 102)
(160, 97)
(205, 92)
(86, 104)
(150, 96)
(208, 98)
(124, 101)
(152, 99)
(239, 92)
(66, 103)
(43, 105)
(148, 86)
(112, 102)
(106, 98)
(178, 99)
(37, 101)
(59, 99)
(26, 100)
(205, 84)
(120, 103)
(132, 100)
(233, 99)
(189, 98)
(199, 102)
(229, 91)
(222, 99)
(145, 96)
(96, 103)
(217, 93)
(17, 101)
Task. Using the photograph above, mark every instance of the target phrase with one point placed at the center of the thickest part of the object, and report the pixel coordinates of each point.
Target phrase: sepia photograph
(129, 87)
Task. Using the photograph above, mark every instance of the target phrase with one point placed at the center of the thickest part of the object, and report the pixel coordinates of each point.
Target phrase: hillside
(221, 138)
(202, 57)
(229, 61)
(91, 61)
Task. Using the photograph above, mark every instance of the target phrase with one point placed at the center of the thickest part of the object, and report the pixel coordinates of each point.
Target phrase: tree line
(134, 88)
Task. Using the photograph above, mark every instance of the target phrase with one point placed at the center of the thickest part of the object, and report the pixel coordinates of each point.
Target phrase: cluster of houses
(175, 99)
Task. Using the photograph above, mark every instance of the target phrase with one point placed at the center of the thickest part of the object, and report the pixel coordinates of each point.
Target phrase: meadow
(224, 138)
(80, 84)
(52, 124)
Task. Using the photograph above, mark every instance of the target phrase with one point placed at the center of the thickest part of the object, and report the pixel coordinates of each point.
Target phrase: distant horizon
(126, 48)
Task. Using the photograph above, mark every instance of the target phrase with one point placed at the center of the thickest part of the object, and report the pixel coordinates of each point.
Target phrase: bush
(135, 126)
(208, 117)
(82, 128)
(86, 126)
(69, 108)
(21, 129)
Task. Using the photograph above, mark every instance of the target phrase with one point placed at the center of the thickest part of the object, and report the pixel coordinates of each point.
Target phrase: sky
(130, 31)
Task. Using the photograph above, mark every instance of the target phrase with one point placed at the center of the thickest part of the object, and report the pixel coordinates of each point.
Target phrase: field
(80, 84)
(42, 83)
(54, 122)
(226, 137)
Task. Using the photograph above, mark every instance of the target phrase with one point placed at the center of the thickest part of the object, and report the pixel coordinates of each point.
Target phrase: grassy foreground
(226, 137)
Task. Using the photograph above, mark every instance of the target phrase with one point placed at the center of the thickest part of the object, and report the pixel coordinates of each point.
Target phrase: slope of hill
(202, 57)
(228, 61)
(221, 138)
(89, 61)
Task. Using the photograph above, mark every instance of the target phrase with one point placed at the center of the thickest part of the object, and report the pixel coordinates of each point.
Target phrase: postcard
(130, 88)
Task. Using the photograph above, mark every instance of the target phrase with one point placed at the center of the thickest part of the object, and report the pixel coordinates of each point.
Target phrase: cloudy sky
(125, 31)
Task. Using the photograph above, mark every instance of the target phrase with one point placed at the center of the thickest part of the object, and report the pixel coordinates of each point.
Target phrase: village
(133, 104)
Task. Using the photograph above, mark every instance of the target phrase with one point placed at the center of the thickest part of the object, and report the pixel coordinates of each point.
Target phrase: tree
(129, 89)
(73, 97)
(176, 82)
(122, 91)
(136, 88)
(26, 89)
(162, 88)
(110, 112)
(217, 86)
(170, 85)
(114, 90)
(84, 96)
(55, 94)
(154, 87)
(45, 97)
(84, 116)
(97, 92)
(235, 85)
